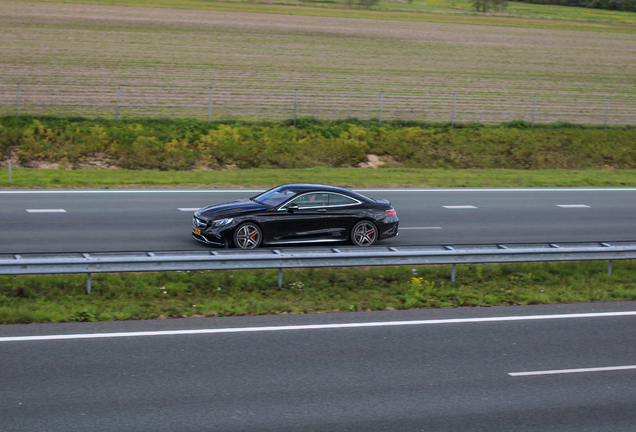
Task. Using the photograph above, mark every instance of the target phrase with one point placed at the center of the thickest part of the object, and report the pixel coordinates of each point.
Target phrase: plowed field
(71, 59)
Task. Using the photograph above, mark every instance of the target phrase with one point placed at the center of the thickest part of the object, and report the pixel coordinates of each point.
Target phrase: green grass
(28, 299)
(345, 177)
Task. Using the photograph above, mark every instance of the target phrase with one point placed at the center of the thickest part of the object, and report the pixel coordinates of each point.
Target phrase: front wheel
(364, 233)
(248, 236)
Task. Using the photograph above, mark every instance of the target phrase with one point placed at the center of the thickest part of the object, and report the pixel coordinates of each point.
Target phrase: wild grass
(185, 145)
(29, 299)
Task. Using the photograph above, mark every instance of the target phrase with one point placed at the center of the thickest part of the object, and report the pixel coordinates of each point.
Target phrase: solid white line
(314, 326)
(573, 206)
(566, 371)
(419, 228)
(572, 189)
(126, 191)
(460, 207)
(46, 210)
(107, 191)
(189, 209)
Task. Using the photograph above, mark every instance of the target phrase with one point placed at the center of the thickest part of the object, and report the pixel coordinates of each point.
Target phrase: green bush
(187, 144)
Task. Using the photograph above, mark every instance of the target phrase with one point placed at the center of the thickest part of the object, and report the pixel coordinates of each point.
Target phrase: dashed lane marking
(420, 228)
(567, 371)
(46, 210)
(573, 206)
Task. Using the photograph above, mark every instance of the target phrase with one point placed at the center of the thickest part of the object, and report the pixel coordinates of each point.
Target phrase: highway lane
(125, 220)
(432, 375)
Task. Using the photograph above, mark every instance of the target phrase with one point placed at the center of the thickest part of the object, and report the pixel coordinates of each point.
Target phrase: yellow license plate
(197, 231)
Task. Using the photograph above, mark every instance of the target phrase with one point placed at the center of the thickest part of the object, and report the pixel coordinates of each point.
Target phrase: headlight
(221, 222)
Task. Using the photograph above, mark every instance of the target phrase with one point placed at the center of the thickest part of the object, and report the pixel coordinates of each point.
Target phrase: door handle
(322, 210)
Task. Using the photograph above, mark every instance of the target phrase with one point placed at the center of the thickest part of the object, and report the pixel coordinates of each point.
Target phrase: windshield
(275, 196)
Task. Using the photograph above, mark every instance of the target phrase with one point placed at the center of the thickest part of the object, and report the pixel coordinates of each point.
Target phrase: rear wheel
(364, 233)
(248, 236)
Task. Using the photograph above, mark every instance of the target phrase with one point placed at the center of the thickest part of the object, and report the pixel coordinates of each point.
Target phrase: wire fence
(222, 103)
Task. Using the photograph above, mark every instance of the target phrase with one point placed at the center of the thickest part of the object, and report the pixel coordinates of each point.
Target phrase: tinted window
(340, 200)
(273, 197)
(310, 200)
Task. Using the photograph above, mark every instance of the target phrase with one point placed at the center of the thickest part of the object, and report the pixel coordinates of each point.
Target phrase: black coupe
(296, 213)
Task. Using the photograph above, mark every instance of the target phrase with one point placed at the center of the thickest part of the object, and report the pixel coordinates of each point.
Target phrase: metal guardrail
(233, 259)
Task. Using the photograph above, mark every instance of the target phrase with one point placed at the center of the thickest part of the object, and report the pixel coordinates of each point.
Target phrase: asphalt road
(127, 220)
(454, 370)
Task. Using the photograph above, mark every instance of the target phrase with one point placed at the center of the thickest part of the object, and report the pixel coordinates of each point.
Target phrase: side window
(340, 200)
(312, 200)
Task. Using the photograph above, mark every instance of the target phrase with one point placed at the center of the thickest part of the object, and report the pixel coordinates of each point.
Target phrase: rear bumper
(388, 231)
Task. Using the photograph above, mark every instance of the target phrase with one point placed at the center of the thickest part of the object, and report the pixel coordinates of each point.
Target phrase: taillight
(391, 212)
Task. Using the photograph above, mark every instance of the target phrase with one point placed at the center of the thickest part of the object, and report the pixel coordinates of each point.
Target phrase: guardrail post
(88, 283)
(280, 278)
(453, 273)
(609, 267)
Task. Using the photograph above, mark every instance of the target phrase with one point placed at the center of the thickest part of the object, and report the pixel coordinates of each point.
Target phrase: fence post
(9, 159)
(453, 273)
(453, 114)
(17, 103)
(280, 278)
(295, 105)
(88, 283)
(609, 267)
(210, 105)
(606, 112)
(534, 103)
(381, 101)
(117, 106)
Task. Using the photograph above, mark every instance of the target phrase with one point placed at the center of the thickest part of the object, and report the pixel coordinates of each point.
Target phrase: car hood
(230, 208)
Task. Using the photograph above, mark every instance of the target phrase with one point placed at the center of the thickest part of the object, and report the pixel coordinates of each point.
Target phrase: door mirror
(291, 207)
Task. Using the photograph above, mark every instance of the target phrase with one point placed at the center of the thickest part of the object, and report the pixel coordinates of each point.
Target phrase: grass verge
(62, 298)
(345, 177)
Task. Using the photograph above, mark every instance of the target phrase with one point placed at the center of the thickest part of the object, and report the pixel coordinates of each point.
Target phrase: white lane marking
(111, 191)
(572, 189)
(460, 207)
(46, 210)
(315, 326)
(566, 371)
(189, 209)
(419, 228)
(75, 191)
(573, 206)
